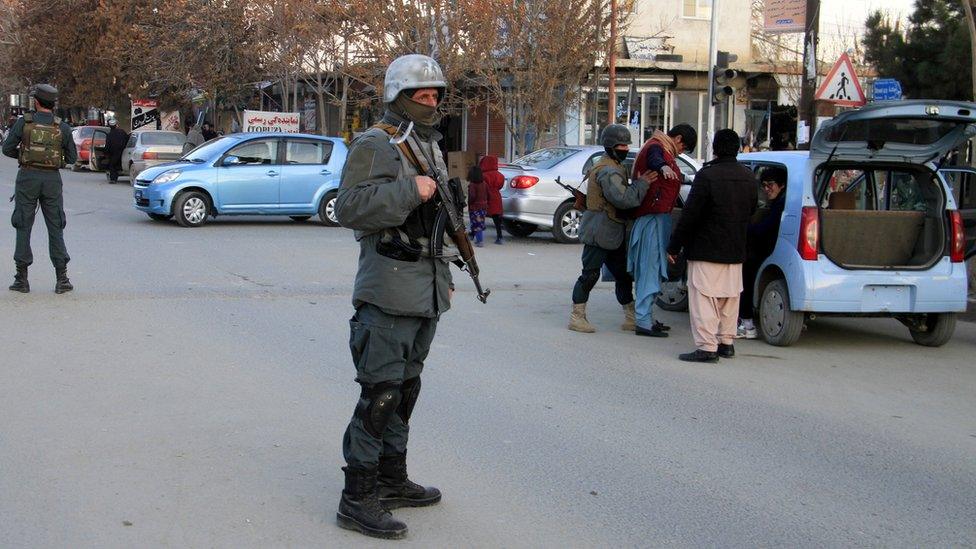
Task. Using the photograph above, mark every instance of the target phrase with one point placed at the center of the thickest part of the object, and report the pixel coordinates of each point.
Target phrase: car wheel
(938, 332)
(673, 296)
(191, 209)
(778, 324)
(327, 210)
(519, 228)
(566, 223)
(159, 217)
(300, 218)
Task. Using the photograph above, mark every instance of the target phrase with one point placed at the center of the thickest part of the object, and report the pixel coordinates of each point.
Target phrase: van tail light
(957, 237)
(809, 233)
(148, 155)
(524, 181)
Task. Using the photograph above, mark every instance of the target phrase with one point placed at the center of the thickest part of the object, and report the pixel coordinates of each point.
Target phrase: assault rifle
(579, 197)
(449, 212)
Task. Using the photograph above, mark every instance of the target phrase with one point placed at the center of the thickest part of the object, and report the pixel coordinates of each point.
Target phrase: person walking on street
(401, 290)
(42, 144)
(712, 235)
(603, 230)
(760, 241)
(114, 145)
(194, 138)
(647, 257)
(207, 132)
(477, 204)
(494, 180)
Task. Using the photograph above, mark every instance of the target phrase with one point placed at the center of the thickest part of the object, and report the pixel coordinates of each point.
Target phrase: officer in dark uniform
(43, 145)
(399, 295)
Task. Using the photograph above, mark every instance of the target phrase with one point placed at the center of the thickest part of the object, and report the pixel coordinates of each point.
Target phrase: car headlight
(166, 177)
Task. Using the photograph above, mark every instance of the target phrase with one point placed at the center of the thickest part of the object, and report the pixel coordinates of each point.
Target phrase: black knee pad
(410, 390)
(376, 406)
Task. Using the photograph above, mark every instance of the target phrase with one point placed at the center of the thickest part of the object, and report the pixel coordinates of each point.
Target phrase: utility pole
(967, 7)
(712, 62)
(612, 91)
(808, 109)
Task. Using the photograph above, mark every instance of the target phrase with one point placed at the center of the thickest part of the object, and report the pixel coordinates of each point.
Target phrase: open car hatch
(915, 131)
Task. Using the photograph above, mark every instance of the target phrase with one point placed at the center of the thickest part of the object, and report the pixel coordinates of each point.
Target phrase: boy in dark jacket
(760, 242)
(712, 234)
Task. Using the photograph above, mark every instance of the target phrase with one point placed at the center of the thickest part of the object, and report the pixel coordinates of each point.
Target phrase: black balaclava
(613, 153)
(417, 112)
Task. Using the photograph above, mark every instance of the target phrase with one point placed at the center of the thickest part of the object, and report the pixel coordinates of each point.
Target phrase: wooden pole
(971, 21)
(808, 110)
(612, 91)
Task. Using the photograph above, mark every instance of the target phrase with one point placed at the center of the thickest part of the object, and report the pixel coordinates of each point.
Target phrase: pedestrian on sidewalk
(39, 182)
(760, 242)
(495, 181)
(477, 204)
(603, 229)
(712, 235)
(647, 257)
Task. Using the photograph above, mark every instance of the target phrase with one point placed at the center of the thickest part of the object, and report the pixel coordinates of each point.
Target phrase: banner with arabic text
(785, 16)
(263, 121)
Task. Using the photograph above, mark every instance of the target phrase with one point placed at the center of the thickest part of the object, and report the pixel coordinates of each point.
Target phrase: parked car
(532, 200)
(871, 228)
(150, 148)
(246, 174)
(86, 139)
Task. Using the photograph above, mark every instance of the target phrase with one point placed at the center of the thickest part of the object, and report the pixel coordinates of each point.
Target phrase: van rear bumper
(823, 287)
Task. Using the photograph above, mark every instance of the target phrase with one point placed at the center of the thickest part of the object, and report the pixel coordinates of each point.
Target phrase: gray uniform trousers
(35, 186)
(386, 349)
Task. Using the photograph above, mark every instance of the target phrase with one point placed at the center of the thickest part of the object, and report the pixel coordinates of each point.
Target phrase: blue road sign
(887, 89)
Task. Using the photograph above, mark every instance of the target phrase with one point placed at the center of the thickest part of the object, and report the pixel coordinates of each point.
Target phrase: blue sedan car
(246, 174)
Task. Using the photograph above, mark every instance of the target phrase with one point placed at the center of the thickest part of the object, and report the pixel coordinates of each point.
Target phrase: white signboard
(145, 114)
(171, 121)
(263, 121)
(842, 86)
(785, 16)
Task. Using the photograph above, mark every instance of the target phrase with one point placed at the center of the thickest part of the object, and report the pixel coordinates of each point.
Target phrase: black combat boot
(360, 509)
(396, 490)
(63, 285)
(20, 280)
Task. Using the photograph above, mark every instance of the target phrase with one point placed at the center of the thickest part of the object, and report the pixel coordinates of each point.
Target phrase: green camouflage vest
(41, 145)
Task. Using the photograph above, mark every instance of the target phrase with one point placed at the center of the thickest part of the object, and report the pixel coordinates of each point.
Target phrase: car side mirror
(231, 161)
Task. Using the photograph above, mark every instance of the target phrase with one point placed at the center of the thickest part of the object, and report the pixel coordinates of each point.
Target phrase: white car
(151, 148)
(533, 200)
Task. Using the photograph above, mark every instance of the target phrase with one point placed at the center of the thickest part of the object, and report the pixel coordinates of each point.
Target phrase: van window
(260, 151)
(308, 152)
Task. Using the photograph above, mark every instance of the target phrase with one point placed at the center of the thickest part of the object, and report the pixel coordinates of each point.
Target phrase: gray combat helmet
(615, 134)
(45, 93)
(411, 72)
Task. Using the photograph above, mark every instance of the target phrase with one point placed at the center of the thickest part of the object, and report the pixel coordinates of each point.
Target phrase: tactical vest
(419, 225)
(594, 192)
(40, 146)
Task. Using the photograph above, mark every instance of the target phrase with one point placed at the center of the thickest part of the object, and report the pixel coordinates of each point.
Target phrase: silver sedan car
(146, 149)
(533, 200)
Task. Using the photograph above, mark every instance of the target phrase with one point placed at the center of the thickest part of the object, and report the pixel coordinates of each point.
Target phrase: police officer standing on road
(400, 292)
(602, 229)
(43, 145)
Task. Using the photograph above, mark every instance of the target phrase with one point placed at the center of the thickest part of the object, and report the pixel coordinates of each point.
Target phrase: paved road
(193, 390)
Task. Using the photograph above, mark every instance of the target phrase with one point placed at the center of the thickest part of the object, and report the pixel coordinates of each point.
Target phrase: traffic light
(722, 77)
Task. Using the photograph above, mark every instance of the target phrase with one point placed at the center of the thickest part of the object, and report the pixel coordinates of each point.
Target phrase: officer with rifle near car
(395, 194)
(42, 144)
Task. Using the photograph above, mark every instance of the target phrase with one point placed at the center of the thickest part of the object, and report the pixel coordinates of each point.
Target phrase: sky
(840, 17)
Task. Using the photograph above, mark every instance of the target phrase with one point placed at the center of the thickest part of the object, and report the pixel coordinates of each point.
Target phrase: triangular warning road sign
(842, 87)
